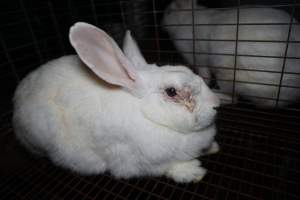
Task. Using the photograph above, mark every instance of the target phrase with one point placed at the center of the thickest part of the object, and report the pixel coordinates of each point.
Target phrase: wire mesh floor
(259, 159)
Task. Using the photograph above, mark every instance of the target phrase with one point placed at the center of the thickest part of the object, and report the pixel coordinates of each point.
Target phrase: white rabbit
(106, 111)
(220, 39)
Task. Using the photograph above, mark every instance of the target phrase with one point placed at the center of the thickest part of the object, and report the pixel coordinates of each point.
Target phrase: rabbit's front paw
(188, 171)
(213, 148)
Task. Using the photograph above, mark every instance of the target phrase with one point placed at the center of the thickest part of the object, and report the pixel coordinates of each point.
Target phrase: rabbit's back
(55, 113)
(262, 32)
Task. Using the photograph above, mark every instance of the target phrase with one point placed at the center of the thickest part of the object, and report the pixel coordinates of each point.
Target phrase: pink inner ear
(102, 55)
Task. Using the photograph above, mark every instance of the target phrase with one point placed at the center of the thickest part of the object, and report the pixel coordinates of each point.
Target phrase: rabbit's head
(169, 96)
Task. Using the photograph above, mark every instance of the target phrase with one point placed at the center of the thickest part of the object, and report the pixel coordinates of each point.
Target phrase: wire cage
(259, 157)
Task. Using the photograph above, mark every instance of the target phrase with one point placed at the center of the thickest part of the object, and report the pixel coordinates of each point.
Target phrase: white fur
(187, 171)
(246, 32)
(64, 111)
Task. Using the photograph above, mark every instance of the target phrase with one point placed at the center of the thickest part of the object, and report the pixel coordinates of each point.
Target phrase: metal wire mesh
(259, 156)
(233, 40)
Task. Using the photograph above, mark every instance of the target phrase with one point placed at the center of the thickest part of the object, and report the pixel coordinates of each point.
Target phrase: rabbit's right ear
(103, 56)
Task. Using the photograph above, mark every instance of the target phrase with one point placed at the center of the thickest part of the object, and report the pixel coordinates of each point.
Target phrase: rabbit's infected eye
(171, 92)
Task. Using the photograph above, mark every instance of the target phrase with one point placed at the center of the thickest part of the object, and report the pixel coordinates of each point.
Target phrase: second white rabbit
(262, 36)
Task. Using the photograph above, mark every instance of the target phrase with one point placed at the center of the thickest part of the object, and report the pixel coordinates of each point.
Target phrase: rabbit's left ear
(132, 52)
(103, 56)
